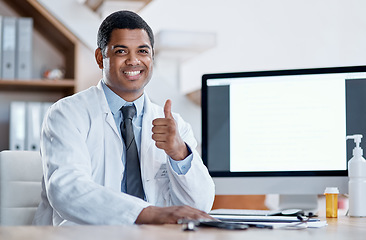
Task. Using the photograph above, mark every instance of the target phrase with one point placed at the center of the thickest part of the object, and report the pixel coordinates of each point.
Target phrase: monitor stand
(307, 203)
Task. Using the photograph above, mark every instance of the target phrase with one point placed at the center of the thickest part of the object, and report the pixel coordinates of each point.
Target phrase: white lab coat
(81, 154)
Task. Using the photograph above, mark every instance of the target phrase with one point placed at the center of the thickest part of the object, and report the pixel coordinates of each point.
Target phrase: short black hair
(121, 20)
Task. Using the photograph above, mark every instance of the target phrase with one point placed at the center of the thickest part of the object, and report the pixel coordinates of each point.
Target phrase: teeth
(133, 73)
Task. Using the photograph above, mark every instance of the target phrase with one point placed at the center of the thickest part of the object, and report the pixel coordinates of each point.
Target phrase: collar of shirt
(115, 102)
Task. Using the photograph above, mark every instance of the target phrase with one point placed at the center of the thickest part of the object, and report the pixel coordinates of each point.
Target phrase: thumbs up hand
(166, 135)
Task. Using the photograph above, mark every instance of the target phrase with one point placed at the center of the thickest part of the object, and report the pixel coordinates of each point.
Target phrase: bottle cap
(331, 190)
(357, 151)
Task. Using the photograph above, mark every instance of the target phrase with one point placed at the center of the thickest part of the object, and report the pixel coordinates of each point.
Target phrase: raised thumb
(168, 109)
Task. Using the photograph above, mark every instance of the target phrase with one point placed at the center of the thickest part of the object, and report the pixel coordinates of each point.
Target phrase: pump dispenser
(357, 180)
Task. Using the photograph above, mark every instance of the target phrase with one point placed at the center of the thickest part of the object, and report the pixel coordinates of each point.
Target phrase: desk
(337, 229)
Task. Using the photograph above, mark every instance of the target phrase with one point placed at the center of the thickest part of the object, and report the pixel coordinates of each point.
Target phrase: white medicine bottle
(357, 180)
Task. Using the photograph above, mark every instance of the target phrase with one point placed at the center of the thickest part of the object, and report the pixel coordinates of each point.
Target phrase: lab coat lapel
(113, 146)
(112, 124)
(107, 111)
(147, 152)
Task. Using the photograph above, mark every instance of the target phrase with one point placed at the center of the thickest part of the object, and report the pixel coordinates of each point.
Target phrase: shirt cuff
(181, 167)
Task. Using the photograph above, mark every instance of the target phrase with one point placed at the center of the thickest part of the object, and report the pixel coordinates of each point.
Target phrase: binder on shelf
(33, 125)
(8, 47)
(17, 126)
(23, 69)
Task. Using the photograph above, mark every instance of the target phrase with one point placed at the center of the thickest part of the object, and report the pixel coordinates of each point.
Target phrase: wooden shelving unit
(66, 86)
(59, 36)
(64, 46)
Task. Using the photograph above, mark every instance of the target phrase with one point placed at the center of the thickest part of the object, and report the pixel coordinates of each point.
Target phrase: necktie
(132, 173)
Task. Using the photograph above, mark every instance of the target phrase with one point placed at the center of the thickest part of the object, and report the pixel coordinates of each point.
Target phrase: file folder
(8, 47)
(17, 126)
(23, 61)
(33, 123)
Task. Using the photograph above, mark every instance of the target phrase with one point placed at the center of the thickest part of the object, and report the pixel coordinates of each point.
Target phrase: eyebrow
(123, 46)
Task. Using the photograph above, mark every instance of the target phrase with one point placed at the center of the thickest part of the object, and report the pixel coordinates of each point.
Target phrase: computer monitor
(282, 131)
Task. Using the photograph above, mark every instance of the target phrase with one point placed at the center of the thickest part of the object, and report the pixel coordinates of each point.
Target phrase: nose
(132, 60)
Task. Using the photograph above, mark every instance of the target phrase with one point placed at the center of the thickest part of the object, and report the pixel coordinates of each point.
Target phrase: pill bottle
(331, 202)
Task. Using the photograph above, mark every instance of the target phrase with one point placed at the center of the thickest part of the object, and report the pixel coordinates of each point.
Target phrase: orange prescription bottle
(331, 202)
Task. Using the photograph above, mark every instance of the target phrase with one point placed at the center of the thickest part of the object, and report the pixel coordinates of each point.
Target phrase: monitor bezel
(284, 72)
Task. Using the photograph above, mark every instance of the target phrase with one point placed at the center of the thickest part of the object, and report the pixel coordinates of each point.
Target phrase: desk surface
(337, 229)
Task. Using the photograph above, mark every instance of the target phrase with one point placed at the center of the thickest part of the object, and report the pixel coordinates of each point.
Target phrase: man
(85, 155)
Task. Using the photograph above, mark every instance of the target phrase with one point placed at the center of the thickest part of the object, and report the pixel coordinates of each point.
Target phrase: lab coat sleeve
(196, 187)
(71, 192)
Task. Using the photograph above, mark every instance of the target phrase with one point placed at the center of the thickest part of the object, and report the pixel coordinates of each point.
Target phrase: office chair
(20, 186)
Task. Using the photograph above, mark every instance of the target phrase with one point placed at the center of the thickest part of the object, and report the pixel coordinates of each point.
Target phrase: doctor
(84, 154)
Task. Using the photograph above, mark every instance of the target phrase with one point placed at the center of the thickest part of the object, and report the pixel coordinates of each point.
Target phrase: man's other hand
(163, 215)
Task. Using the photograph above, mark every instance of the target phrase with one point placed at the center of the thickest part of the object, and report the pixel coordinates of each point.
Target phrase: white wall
(260, 35)
(266, 34)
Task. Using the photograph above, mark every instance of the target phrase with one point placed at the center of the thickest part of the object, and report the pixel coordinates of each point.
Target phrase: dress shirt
(115, 103)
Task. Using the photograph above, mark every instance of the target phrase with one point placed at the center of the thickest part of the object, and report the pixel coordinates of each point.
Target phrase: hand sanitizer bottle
(357, 180)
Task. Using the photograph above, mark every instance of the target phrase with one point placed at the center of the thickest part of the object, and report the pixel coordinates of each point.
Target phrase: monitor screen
(282, 131)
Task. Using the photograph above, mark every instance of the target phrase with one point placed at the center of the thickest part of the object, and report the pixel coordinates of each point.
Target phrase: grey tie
(132, 173)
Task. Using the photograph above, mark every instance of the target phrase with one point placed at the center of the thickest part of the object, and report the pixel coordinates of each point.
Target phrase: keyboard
(245, 212)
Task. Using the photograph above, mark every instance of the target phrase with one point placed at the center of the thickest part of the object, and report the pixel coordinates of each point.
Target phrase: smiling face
(127, 63)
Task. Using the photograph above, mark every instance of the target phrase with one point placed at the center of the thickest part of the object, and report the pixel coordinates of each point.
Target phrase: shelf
(57, 34)
(67, 86)
(59, 37)
(63, 44)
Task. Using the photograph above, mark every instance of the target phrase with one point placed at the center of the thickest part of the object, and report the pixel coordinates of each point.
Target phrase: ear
(99, 57)
(153, 54)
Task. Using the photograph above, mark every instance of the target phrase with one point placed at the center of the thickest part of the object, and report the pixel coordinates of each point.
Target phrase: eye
(144, 51)
(120, 51)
